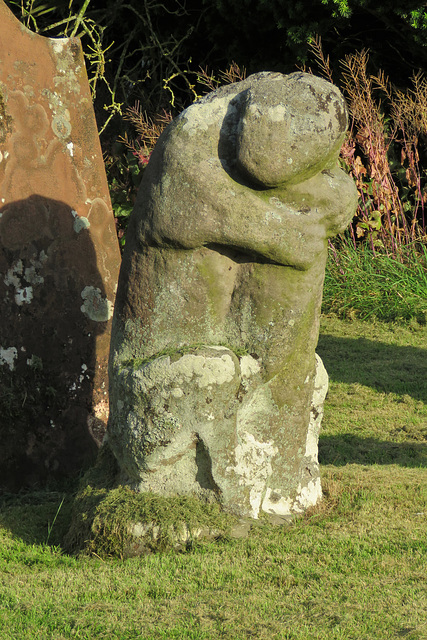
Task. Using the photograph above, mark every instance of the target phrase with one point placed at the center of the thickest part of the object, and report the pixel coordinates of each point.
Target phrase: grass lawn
(355, 567)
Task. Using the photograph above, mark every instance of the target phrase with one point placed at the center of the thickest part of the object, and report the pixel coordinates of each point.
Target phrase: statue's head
(291, 127)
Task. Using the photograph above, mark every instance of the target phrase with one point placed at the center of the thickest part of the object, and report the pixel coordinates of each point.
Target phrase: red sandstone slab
(59, 259)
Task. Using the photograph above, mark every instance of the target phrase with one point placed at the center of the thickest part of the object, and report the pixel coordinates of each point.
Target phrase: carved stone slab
(59, 260)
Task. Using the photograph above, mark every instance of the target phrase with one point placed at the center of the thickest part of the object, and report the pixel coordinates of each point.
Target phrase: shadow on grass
(347, 448)
(38, 517)
(386, 368)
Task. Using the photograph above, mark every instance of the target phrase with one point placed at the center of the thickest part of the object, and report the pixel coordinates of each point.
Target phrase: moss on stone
(105, 515)
(215, 292)
(176, 353)
(94, 487)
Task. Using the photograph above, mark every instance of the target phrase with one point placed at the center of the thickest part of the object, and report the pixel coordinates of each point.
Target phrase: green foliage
(362, 284)
(145, 50)
(274, 34)
(143, 53)
(342, 7)
(124, 176)
(271, 34)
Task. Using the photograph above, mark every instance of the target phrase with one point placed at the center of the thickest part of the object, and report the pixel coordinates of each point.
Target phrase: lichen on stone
(5, 118)
(95, 306)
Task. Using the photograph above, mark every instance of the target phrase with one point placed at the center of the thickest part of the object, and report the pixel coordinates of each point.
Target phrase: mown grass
(354, 567)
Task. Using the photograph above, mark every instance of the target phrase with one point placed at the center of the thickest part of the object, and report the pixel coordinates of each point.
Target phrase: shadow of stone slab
(384, 367)
(347, 449)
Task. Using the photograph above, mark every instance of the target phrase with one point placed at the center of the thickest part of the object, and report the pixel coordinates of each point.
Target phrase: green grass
(353, 568)
(376, 411)
(364, 285)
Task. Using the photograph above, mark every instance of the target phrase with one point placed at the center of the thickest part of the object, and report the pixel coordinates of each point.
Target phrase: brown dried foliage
(388, 216)
(148, 129)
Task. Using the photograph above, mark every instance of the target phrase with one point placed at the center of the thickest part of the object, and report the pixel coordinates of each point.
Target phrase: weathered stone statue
(215, 388)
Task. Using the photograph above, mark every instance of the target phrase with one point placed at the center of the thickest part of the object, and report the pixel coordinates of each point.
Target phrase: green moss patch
(111, 520)
(177, 352)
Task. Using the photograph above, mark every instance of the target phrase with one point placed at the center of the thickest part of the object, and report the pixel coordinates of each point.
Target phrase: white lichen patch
(58, 44)
(316, 414)
(249, 366)
(101, 410)
(65, 63)
(289, 207)
(8, 357)
(206, 114)
(253, 466)
(277, 113)
(275, 503)
(95, 306)
(307, 496)
(202, 370)
(311, 445)
(14, 274)
(255, 111)
(272, 215)
(279, 505)
(278, 203)
(80, 222)
(22, 278)
(258, 407)
(61, 117)
(83, 374)
(61, 127)
(24, 296)
(206, 371)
